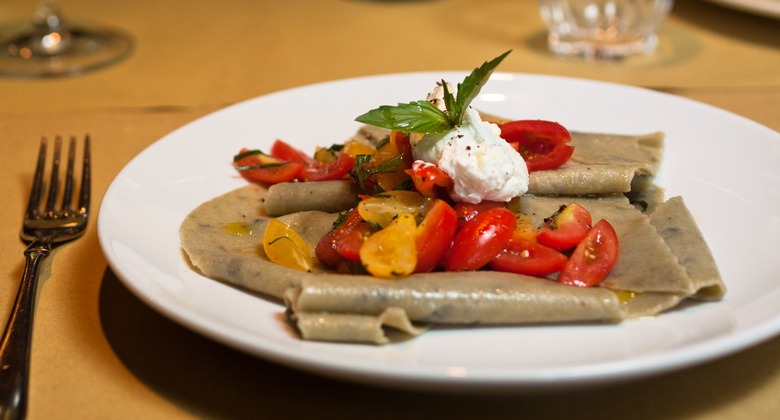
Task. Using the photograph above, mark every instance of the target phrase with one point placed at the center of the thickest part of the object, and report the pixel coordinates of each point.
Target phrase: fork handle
(15, 344)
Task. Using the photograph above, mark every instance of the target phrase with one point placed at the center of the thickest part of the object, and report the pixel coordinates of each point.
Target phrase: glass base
(31, 54)
(602, 50)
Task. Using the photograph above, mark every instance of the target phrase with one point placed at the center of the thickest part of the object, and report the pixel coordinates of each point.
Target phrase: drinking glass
(603, 28)
(50, 46)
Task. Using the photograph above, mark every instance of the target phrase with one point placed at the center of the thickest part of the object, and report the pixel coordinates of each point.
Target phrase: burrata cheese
(482, 165)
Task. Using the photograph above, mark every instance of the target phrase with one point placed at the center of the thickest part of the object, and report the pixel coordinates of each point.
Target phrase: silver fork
(45, 226)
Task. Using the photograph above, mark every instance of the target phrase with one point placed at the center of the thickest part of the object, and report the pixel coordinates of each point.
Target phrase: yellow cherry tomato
(354, 148)
(389, 180)
(391, 252)
(525, 228)
(324, 155)
(283, 246)
(382, 208)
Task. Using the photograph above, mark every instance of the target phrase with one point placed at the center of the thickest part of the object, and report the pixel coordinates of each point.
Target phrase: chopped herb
(362, 172)
(340, 219)
(242, 155)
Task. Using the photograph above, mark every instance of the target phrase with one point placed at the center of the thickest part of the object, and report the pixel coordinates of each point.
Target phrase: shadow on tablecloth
(209, 379)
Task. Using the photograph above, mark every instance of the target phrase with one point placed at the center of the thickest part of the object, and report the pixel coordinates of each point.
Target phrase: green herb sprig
(423, 117)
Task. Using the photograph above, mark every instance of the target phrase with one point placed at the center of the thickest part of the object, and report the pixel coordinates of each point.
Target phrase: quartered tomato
(467, 211)
(526, 256)
(328, 171)
(256, 166)
(286, 152)
(434, 236)
(382, 208)
(401, 143)
(327, 248)
(390, 154)
(565, 228)
(349, 244)
(543, 144)
(427, 176)
(355, 148)
(286, 163)
(480, 240)
(285, 247)
(593, 258)
(524, 228)
(391, 252)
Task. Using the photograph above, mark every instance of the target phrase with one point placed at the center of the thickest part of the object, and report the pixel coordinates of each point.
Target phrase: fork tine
(54, 178)
(36, 191)
(86, 181)
(67, 192)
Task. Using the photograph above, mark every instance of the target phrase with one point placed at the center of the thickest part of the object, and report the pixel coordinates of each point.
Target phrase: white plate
(725, 166)
(769, 8)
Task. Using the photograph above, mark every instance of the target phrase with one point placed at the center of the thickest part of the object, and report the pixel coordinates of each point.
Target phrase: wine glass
(50, 46)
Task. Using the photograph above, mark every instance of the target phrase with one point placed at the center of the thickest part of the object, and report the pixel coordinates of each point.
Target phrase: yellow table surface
(100, 352)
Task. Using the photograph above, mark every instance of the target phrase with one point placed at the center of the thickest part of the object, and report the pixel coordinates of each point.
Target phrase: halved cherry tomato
(541, 143)
(285, 151)
(467, 211)
(427, 176)
(348, 244)
(402, 143)
(593, 258)
(524, 229)
(565, 228)
(328, 171)
(480, 240)
(389, 180)
(434, 236)
(354, 148)
(255, 166)
(283, 246)
(391, 252)
(525, 256)
(327, 248)
(382, 208)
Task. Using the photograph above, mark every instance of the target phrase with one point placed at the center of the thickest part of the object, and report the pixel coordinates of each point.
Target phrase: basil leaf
(240, 156)
(412, 117)
(261, 166)
(359, 173)
(366, 176)
(472, 84)
(453, 107)
(423, 117)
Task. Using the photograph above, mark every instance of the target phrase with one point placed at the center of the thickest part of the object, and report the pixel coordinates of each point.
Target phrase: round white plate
(769, 8)
(726, 167)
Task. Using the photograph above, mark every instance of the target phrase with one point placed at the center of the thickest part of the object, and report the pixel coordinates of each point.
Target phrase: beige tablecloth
(100, 352)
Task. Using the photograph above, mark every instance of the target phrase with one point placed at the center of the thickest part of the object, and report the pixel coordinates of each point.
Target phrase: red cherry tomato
(348, 245)
(256, 166)
(402, 144)
(480, 240)
(328, 171)
(434, 236)
(565, 228)
(467, 211)
(524, 256)
(284, 151)
(593, 258)
(327, 248)
(524, 229)
(427, 176)
(543, 144)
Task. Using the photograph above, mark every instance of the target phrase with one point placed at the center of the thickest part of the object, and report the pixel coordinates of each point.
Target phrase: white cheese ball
(482, 165)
